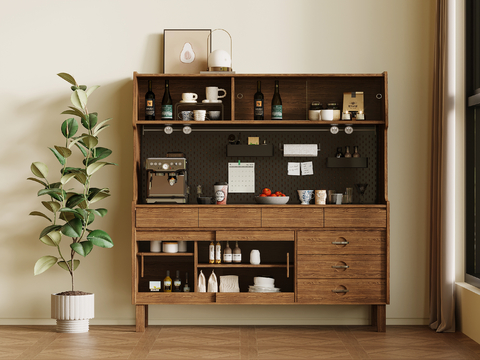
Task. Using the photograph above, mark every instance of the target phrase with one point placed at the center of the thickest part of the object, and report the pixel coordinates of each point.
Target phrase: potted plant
(69, 200)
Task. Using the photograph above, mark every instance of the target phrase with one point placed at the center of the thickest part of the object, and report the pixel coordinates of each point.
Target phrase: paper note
(294, 168)
(307, 168)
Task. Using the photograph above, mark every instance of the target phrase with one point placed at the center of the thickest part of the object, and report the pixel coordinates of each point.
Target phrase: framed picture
(185, 50)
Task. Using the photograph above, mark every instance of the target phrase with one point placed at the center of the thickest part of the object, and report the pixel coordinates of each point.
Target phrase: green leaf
(53, 206)
(91, 217)
(100, 153)
(92, 89)
(73, 228)
(101, 212)
(75, 200)
(56, 185)
(39, 169)
(98, 197)
(90, 141)
(66, 216)
(100, 238)
(44, 263)
(99, 125)
(79, 99)
(81, 177)
(91, 169)
(74, 142)
(83, 248)
(49, 229)
(96, 132)
(84, 152)
(57, 194)
(64, 266)
(60, 158)
(38, 213)
(68, 78)
(69, 127)
(39, 181)
(65, 152)
(92, 119)
(52, 239)
(66, 178)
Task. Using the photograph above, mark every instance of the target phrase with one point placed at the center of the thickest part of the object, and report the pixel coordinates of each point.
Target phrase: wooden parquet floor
(235, 342)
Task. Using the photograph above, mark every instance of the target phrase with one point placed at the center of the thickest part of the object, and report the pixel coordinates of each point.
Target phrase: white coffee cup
(189, 97)
(214, 114)
(212, 93)
(327, 114)
(199, 115)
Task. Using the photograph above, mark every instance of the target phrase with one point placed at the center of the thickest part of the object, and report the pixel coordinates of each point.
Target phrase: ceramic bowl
(272, 200)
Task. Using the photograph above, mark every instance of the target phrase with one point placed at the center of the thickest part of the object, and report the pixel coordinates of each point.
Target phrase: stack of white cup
(199, 115)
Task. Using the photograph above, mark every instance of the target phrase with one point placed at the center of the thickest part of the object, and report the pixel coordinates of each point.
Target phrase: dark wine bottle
(258, 113)
(167, 105)
(276, 104)
(150, 103)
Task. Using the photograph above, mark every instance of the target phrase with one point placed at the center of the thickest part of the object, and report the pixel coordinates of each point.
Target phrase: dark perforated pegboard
(208, 163)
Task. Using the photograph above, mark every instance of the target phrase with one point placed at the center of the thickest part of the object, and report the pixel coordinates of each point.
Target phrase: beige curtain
(442, 204)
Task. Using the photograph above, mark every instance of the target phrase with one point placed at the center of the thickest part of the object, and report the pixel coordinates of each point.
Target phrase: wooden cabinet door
(340, 266)
(223, 217)
(166, 217)
(294, 217)
(344, 217)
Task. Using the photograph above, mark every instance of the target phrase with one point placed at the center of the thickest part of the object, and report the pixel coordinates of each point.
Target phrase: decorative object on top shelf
(360, 116)
(184, 50)
(353, 102)
(219, 60)
(71, 212)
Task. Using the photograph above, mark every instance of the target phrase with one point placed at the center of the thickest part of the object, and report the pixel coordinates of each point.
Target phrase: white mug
(314, 115)
(212, 93)
(327, 114)
(189, 97)
(199, 115)
(255, 257)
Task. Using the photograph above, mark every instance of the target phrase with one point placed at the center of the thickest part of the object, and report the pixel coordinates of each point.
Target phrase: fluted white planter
(73, 312)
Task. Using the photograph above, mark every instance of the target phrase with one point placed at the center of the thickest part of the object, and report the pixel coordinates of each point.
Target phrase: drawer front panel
(256, 235)
(341, 291)
(340, 266)
(292, 217)
(355, 217)
(145, 235)
(168, 217)
(341, 242)
(255, 298)
(230, 217)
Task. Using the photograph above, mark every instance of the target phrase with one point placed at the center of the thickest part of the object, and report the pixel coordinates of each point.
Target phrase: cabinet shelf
(257, 122)
(333, 162)
(244, 266)
(163, 254)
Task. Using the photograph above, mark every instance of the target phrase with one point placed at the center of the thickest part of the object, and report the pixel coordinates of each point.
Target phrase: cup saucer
(212, 101)
(188, 102)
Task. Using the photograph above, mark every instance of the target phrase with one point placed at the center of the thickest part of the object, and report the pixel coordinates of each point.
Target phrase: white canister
(255, 257)
(182, 246)
(327, 114)
(170, 247)
(155, 246)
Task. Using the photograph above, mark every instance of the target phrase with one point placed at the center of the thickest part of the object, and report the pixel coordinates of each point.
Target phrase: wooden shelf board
(258, 122)
(163, 254)
(243, 266)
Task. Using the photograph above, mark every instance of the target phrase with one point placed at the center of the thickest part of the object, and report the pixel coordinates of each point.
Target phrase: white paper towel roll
(299, 150)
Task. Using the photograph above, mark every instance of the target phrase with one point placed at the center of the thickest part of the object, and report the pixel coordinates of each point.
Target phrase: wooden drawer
(174, 298)
(169, 217)
(341, 242)
(340, 266)
(256, 235)
(146, 235)
(294, 217)
(355, 217)
(341, 291)
(255, 298)
(230, 217)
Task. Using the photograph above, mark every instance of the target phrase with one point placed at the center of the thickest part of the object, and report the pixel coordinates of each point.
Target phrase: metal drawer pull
(340, 266)
(340, 242)
(341, 291)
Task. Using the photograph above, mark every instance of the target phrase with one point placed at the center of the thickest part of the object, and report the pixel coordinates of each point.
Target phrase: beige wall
(102, 42)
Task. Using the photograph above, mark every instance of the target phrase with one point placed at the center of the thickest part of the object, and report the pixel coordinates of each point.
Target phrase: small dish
(272, 200)
(188, 102)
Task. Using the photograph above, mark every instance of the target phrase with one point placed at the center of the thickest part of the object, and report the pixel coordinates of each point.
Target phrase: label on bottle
(237, 257)
(276, 112)
(167, 285)
(186, 288)
(258, 111)
(150, 107)
(218, 253)
(177, 283)
(227, 257)
(211, 255)
(167, 111)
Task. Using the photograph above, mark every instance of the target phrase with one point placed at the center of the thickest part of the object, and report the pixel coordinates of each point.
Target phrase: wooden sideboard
(318, 254)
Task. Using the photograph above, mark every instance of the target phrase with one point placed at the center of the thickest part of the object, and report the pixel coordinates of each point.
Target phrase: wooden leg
(379, 317)
(141, 314)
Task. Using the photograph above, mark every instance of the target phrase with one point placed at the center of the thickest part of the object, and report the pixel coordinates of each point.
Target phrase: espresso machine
(166, 180)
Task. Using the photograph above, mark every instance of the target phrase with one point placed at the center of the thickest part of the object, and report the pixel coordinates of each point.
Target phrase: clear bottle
(277, 110)
(211, 253)
(347, 152)
(258, 109)
(339, 153)
(186, 288)
(227, 254)
(167, 283)
(167, 104)
(218, 253)
(177, 283)
(149, 103)
(355, 152)
(237, 254)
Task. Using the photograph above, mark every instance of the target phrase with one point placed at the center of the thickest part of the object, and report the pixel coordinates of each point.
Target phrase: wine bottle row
(169, 285)
(258, 106)
(229, 255)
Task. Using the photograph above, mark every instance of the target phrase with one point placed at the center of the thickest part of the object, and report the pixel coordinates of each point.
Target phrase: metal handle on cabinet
(340, 242)
(288, 265)
(340, 290)
(340, 266)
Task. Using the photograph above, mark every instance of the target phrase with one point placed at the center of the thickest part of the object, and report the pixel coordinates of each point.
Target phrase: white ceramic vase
(73, 312)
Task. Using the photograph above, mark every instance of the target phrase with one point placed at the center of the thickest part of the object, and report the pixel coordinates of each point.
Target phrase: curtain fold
(442, 201)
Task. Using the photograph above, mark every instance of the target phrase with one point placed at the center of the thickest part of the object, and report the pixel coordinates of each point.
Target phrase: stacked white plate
(263, 284)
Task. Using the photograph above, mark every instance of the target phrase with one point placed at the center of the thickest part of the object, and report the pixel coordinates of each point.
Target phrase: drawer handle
(340, 242)
(340, 291)
(340, 266)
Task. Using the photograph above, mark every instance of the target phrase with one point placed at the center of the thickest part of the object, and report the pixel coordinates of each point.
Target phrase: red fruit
(267, 191)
